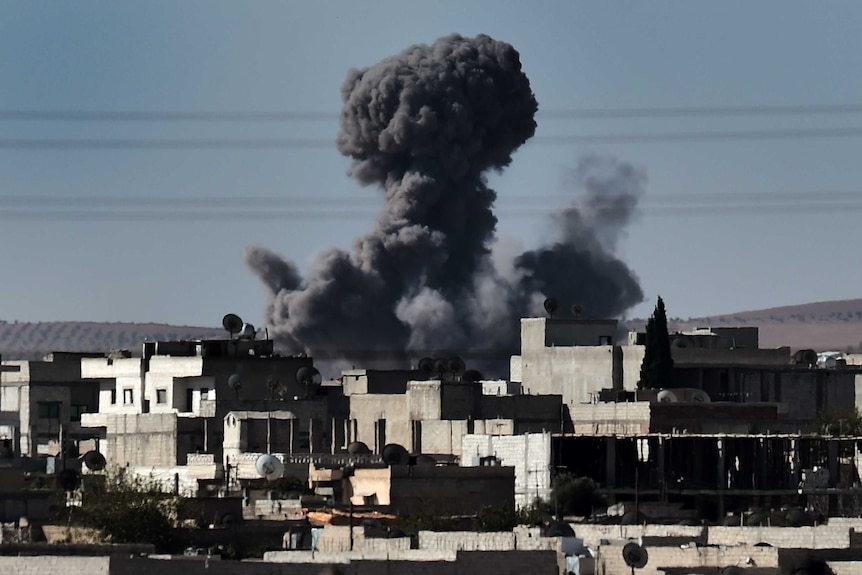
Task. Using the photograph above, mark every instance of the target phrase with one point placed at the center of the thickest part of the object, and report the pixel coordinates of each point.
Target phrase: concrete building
(157, 409)
(42, 404)
(578, 360)
(431, 489)
(529, 454)
(432, 415)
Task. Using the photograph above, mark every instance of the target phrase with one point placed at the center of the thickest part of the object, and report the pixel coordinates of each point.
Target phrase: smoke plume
(425, 126)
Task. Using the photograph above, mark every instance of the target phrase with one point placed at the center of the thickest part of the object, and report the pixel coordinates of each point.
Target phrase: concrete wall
(610, 559)
(576, 373)
(449, 489)
(421, 562)
(141, 439)
(821, 537)
(52, 565)
(530, 455)
(368, 411)
(624, 418)
(443, 437)
(542, 332)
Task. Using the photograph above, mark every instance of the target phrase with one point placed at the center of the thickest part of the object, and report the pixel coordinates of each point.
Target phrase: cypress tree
(657, 366)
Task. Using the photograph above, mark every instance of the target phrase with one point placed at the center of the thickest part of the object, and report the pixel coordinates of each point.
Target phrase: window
(161, 396)
(49, 410)
(205, 393)
(128, 396)
(379, 435)
(113, 397)
(77, 410)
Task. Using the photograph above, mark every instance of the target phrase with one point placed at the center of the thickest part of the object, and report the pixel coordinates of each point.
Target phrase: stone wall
(52, 565)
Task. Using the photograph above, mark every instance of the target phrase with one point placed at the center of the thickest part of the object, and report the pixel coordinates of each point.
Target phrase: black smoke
(426, 126)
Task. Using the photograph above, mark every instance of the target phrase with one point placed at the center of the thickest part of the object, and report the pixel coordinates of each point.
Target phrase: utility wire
(84, 144)
(260, 215)
(77, 202)
(318, 116)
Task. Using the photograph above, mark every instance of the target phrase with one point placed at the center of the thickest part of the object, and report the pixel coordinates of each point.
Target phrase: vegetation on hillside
(23, 340)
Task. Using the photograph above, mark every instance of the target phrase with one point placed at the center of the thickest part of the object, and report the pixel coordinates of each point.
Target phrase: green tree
(657, 366)
(575, 495)
(126, 508)
(835, 422)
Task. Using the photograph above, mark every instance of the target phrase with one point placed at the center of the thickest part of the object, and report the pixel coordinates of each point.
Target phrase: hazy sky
(752, 210)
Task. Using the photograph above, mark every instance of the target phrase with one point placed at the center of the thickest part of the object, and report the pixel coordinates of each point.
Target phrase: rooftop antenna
(232, 323)
(577, 310)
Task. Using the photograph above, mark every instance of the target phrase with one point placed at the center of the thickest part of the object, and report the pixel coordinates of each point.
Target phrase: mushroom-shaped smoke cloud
(425, 126)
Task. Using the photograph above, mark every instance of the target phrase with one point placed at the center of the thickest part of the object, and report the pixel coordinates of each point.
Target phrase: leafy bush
(126, 508)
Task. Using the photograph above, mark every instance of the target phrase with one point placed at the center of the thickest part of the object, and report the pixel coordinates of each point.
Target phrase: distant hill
(828, 325)
(26, 340)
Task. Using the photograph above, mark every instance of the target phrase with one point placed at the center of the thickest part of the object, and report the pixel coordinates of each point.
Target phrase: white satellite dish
(269, 466)
(667, 396)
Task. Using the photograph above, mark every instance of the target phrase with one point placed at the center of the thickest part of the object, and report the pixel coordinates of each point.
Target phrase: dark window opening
(49, 410)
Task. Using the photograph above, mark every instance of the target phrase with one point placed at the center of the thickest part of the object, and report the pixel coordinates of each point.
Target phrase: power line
(318, 116)
(74, 202)
(261, 215)
(85, 144)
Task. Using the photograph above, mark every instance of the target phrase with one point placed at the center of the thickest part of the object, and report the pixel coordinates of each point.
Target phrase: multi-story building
(42, 404)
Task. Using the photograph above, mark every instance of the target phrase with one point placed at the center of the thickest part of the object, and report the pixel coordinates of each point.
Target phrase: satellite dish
(394, 454)
(232, 323)
(756, 519)
(94, 460)
(269, 466)
(471, 376)
(805, 357)
(424, 459)
(68, 479)
(577, 310)
(229, 520)
(397, 534)
(731, 570)
(247, 332)
(667, 396)
(700, 396)
(309, 379)
(634, 555)
(358, 448)
(559, 529)
(681, 342)
(441, 365)
(456, 365)
(426, 366)
(551, 306)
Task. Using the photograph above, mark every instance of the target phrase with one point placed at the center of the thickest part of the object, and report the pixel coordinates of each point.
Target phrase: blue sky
(726, 225)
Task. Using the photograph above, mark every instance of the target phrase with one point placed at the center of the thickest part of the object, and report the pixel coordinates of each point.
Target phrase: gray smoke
(425, 126)
(580, 267)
